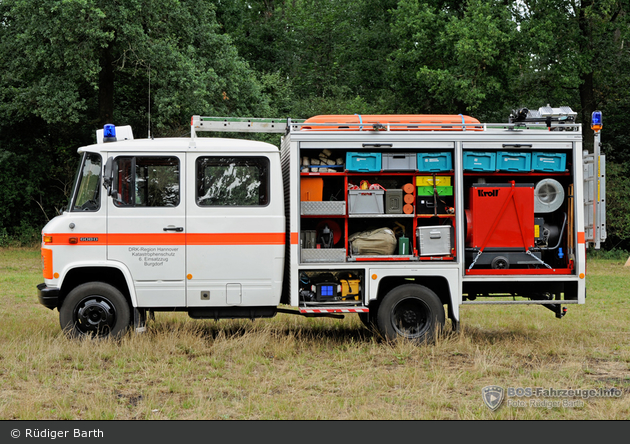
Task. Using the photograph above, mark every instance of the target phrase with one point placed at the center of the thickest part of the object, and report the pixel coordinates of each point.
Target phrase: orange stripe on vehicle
(47, 265)
(173, 239)
(580, 237)
(235, 239)
(146, 239)
(295, 238)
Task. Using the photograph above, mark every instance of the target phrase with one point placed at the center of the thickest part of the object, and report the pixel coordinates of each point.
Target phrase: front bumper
(48, 297)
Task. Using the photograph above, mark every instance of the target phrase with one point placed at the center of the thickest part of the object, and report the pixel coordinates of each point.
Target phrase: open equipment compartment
(517, 215)
(382, 190)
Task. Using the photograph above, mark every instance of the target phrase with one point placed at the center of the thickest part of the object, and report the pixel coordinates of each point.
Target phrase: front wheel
(95, 309)
(411, 311)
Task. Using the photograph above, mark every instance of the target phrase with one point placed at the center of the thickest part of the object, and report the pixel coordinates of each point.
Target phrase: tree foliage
(67, 67)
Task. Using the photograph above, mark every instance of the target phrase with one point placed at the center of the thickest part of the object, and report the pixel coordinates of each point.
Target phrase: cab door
(146, 228)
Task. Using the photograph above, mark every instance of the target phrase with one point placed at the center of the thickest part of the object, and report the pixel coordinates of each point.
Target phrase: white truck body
(216, 227)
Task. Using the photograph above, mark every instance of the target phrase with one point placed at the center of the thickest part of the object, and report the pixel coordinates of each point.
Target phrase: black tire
(412, 312)
(95, 309)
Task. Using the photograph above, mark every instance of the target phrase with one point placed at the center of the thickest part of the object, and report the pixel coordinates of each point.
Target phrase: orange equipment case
(400, 122)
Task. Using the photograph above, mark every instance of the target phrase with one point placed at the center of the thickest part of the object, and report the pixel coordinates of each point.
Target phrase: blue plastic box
(434, 162)
(550, 162)
(480, 161)
(512, 161)
(363, 162)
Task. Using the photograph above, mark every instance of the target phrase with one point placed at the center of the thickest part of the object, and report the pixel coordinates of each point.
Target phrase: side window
(147, 182)
(88, 181)
(232, 181)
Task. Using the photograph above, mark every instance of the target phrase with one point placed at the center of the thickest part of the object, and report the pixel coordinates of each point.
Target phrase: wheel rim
(95, 315)
(411, 318)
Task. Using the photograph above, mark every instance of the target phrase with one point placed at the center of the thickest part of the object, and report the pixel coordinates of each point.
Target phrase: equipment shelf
(350, 223)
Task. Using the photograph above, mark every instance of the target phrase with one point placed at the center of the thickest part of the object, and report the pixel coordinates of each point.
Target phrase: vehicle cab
(166, 224)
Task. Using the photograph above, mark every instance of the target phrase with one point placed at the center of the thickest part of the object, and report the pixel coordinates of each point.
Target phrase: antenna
(149, 107)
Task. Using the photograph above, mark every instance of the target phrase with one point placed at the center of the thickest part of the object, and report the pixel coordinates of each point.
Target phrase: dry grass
(294, 368)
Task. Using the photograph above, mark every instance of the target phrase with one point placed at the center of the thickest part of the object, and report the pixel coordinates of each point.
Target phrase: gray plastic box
(399, 161)
(365, 201)
(435, 240)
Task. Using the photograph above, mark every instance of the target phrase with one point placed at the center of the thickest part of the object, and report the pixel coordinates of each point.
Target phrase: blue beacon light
(596, 121)
(109, 133)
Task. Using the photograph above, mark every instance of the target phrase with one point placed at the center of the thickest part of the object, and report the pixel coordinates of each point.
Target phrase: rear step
(340, 309)
(328, 312)
(553, 305)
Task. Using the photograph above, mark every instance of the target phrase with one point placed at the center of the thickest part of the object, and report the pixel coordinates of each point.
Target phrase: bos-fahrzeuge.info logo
(494, 395)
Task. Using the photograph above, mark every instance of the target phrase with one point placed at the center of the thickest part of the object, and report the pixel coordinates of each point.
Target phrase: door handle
(178, 229)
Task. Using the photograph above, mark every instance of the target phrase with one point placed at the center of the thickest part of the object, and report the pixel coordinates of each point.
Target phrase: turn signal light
(47, 239)
(73, 240)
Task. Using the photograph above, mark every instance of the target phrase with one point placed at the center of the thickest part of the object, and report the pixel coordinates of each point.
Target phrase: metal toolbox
(435, 240)
(323, 254)
(394, 201)
(323, 208)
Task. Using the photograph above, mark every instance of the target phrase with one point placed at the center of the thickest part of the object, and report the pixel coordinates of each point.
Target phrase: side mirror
(108, 177)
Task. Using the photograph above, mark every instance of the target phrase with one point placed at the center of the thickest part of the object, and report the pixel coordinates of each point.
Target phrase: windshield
(87, 189)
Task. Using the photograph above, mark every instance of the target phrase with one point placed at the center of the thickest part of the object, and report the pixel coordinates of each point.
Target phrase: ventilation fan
(548, 196)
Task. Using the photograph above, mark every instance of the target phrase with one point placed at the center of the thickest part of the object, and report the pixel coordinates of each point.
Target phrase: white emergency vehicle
(400, 219)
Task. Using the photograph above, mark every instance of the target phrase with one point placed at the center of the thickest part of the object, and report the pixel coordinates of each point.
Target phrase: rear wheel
(411, 311)
(95, 309)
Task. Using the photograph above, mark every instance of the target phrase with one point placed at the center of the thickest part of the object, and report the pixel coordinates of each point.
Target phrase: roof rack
(354, 122)
(546, 117)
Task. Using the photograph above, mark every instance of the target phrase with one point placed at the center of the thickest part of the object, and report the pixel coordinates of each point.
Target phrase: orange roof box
(392, 122)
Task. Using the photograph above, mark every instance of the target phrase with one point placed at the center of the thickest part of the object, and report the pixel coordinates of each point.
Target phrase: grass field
(290, 367)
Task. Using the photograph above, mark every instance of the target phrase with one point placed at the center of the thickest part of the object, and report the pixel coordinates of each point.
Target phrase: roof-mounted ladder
(237, 125)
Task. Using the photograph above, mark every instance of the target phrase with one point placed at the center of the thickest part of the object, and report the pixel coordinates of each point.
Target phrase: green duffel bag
(381, 241)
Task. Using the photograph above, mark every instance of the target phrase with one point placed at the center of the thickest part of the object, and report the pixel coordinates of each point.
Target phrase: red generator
(500, 226)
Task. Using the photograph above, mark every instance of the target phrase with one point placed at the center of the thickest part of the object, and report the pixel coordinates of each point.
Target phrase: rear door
(236, 232)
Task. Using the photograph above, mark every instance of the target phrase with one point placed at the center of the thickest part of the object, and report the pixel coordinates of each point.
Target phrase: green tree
(331, 56)
(67, 68)
(455, 58)
(65, 61)
(576, 52)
